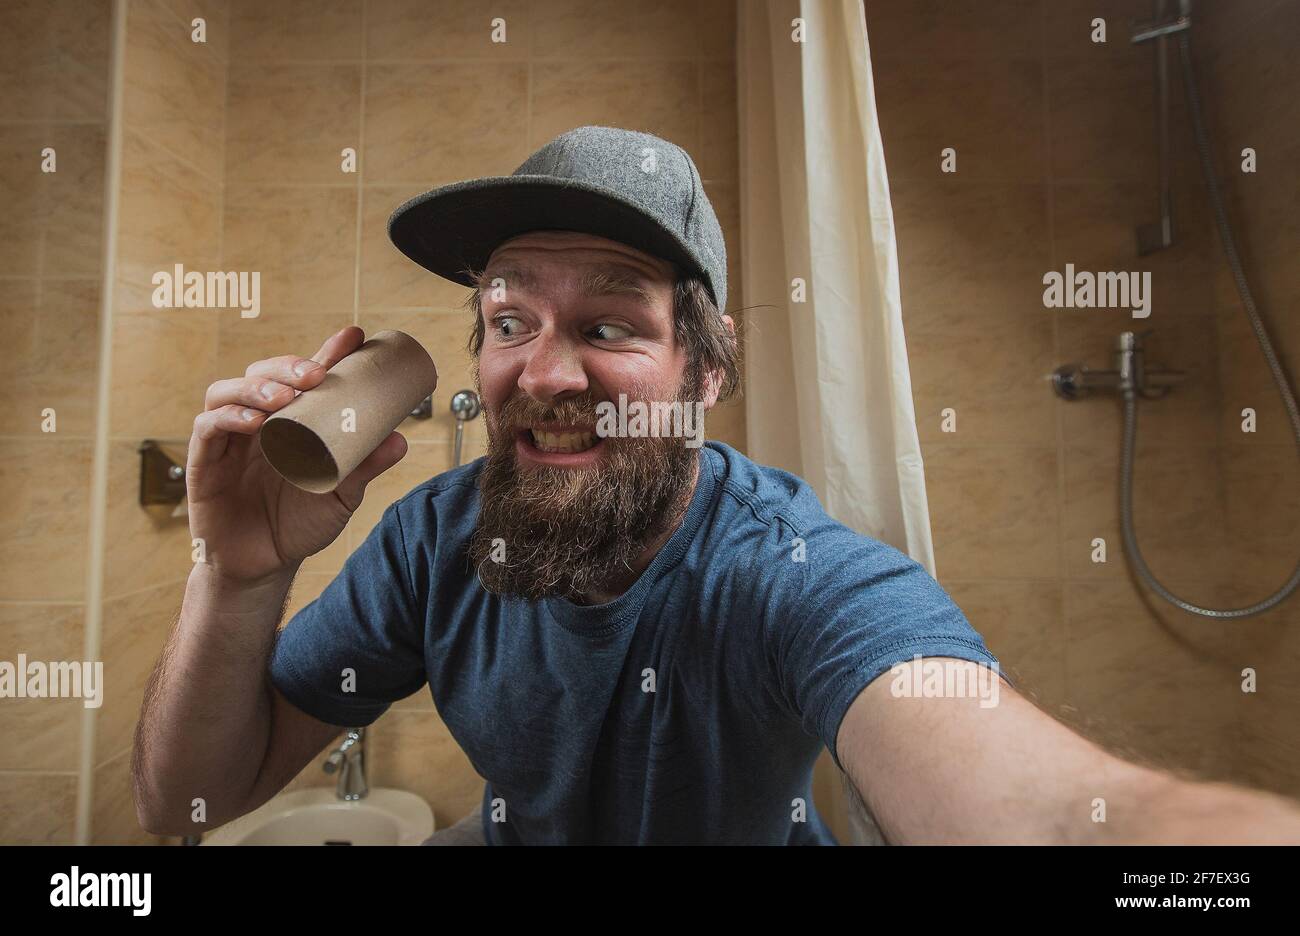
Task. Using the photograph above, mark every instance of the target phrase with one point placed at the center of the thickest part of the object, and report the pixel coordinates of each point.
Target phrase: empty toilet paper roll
(317, 440)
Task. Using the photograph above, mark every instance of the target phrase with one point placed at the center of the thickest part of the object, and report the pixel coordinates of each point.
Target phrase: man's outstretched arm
(949, 770)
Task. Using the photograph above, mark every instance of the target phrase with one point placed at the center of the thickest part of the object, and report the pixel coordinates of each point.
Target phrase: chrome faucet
(349, 759)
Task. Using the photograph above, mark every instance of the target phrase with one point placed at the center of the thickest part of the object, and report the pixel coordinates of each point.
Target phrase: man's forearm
(205, 721)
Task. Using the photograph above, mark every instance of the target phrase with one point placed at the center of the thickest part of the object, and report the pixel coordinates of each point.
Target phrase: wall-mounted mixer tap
(1129, 377)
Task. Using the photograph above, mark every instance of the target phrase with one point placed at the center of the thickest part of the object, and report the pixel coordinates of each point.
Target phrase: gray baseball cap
(631, 187)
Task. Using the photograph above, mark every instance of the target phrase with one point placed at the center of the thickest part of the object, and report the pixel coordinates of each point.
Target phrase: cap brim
(454, 229)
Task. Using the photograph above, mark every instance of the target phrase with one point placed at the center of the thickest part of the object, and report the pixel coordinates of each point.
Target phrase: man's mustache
(518, 413)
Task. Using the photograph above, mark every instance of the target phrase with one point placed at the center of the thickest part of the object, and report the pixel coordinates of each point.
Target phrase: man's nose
(554, 368)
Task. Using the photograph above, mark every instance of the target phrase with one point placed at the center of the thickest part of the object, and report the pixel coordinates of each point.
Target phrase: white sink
(319, 817)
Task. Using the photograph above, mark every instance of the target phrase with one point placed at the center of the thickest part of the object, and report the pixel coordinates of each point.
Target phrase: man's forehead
(538, 251)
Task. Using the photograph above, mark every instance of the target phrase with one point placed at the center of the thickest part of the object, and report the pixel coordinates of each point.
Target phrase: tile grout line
(221, 201)
(348, 535)
(528, 89)
(358, 187)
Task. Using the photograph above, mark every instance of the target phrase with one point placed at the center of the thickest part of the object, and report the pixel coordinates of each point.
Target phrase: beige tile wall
(424, 96)
(161, 360)
(1057, 163)
(1250, 76)
(53, 81)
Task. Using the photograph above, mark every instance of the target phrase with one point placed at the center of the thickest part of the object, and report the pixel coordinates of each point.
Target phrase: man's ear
(712, 384)
(713, 379)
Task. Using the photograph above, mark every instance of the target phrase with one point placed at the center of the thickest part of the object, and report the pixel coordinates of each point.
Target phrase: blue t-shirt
(688, 710)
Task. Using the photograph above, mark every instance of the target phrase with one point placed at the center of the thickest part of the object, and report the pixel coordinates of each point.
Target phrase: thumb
(389, 452)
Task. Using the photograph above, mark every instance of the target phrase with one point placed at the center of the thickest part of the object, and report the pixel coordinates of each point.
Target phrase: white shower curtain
(827, 386)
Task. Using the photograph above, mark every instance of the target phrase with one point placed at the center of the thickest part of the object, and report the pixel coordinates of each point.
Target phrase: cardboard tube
(319, 439)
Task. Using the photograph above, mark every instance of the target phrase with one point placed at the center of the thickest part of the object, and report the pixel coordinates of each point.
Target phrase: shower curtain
(827, 386)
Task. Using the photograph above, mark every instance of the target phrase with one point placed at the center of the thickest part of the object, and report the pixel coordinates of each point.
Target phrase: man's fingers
(212, 429)
(292, 370)
(392, 450)
(302, 373)
(241, 404)
(260, 394)
(339, 345)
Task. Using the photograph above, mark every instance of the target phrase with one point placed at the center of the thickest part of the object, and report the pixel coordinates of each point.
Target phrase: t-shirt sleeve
(852, 609)
(359, 647)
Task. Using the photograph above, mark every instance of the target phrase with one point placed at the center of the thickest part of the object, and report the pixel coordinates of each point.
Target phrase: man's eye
(499, 325)
(615, 328)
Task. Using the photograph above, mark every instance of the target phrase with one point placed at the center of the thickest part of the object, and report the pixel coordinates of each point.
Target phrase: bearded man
(634, 639)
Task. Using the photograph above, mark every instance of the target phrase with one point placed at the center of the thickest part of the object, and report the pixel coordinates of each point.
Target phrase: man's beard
(569, 532)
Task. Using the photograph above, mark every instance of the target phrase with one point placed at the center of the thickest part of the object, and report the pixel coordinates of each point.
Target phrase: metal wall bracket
(162, 481)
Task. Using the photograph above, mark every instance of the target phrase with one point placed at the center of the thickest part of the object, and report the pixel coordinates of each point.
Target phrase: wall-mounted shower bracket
(1144, 32)
(1159, 234)
(1150, 31)
(1130, 376)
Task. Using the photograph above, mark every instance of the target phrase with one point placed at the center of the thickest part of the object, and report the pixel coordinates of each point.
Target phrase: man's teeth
(563, 441)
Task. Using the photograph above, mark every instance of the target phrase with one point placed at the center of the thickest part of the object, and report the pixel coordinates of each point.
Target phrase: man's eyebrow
(605, 280)
(615, 281)
(513, 276)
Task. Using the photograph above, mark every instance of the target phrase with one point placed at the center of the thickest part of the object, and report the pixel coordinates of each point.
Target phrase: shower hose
(1279, 377)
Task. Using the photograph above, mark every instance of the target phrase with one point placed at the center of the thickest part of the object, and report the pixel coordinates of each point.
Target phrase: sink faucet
(349, 759)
